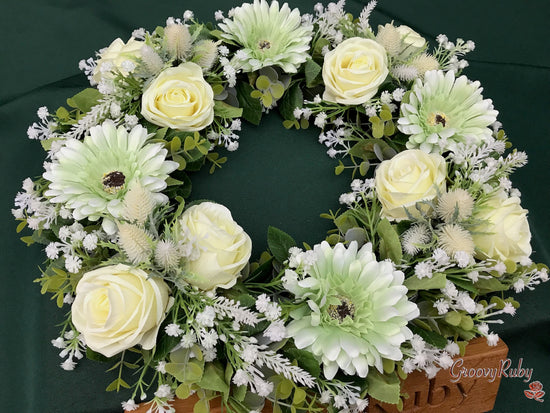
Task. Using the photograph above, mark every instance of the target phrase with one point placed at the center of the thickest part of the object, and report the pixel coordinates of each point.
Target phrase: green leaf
(173, 181)
(312, 71)
(489, 285)
(62, 113)
(117, 384)
(430, 337)
(226, 111)
(252, 108)
(292, 99)
(385, 115)
(339, 169)
(263, 82)
(28, 240)
(202, 406)
(391, 246)
(95, 356)
(364, 149)
(299, 396)
(453, 318)
(240, 393)
(190, 372)
(437, 282)
(384, 387)
(464, 284)
(175, 144)
(189, 143)
(214, 379)
(85, 100)
(364, 168)
(305, 360)
(183, 391)
(284, 389)
(345, 222)
(279, 243)
(21, 226)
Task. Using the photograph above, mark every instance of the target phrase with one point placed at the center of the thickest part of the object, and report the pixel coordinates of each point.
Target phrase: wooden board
(437, 395)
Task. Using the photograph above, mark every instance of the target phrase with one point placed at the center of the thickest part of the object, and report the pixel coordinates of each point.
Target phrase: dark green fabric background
(277, 177)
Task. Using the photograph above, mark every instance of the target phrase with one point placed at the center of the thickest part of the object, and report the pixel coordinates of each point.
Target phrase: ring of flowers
(422, 240)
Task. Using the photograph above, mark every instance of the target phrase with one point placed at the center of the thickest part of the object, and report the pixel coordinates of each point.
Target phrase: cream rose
(411, 40)
(113, 57)
(409, 177)
(118, 307)
(504, 234)
(179, 98)
(224, 246)
(353, 71)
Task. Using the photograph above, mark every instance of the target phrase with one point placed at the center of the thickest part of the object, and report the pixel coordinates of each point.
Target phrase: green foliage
(312, 72)
(305, 360)
(252, 108)
(384, 387)
(279, 243)
(437, 282)
(185, 368)
(390, 246)
(430, 337)
(85, 100)
(291, 100)
(226, 111)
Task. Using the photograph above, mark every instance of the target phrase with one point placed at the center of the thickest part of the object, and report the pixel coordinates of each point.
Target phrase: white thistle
(167, 254)
(178, 40)
(138, 204)
(135, 242)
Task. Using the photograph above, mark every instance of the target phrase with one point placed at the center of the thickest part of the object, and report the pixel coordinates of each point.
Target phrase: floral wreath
(431, 237)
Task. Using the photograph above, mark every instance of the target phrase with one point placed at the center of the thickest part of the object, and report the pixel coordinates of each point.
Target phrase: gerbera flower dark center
(113, 182)
(345, 309)
(437, 118)
(264, 45)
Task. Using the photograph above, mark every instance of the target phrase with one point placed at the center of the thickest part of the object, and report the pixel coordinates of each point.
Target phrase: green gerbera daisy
(354, 312)
(269, 35)
(92, 176)
(443, 111)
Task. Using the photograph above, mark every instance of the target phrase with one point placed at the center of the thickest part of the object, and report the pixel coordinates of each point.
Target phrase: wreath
(429, 239)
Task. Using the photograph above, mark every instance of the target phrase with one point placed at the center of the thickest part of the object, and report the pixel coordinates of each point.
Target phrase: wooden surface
(437, 395)
(441, 395)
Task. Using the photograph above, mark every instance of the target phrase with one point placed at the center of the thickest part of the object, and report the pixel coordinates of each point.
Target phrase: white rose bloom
(118, 307)
(504, 235)
(353, 71)
(411, 40)
(179, 98)
(409, 177)
(224, 246)
(113, 57)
